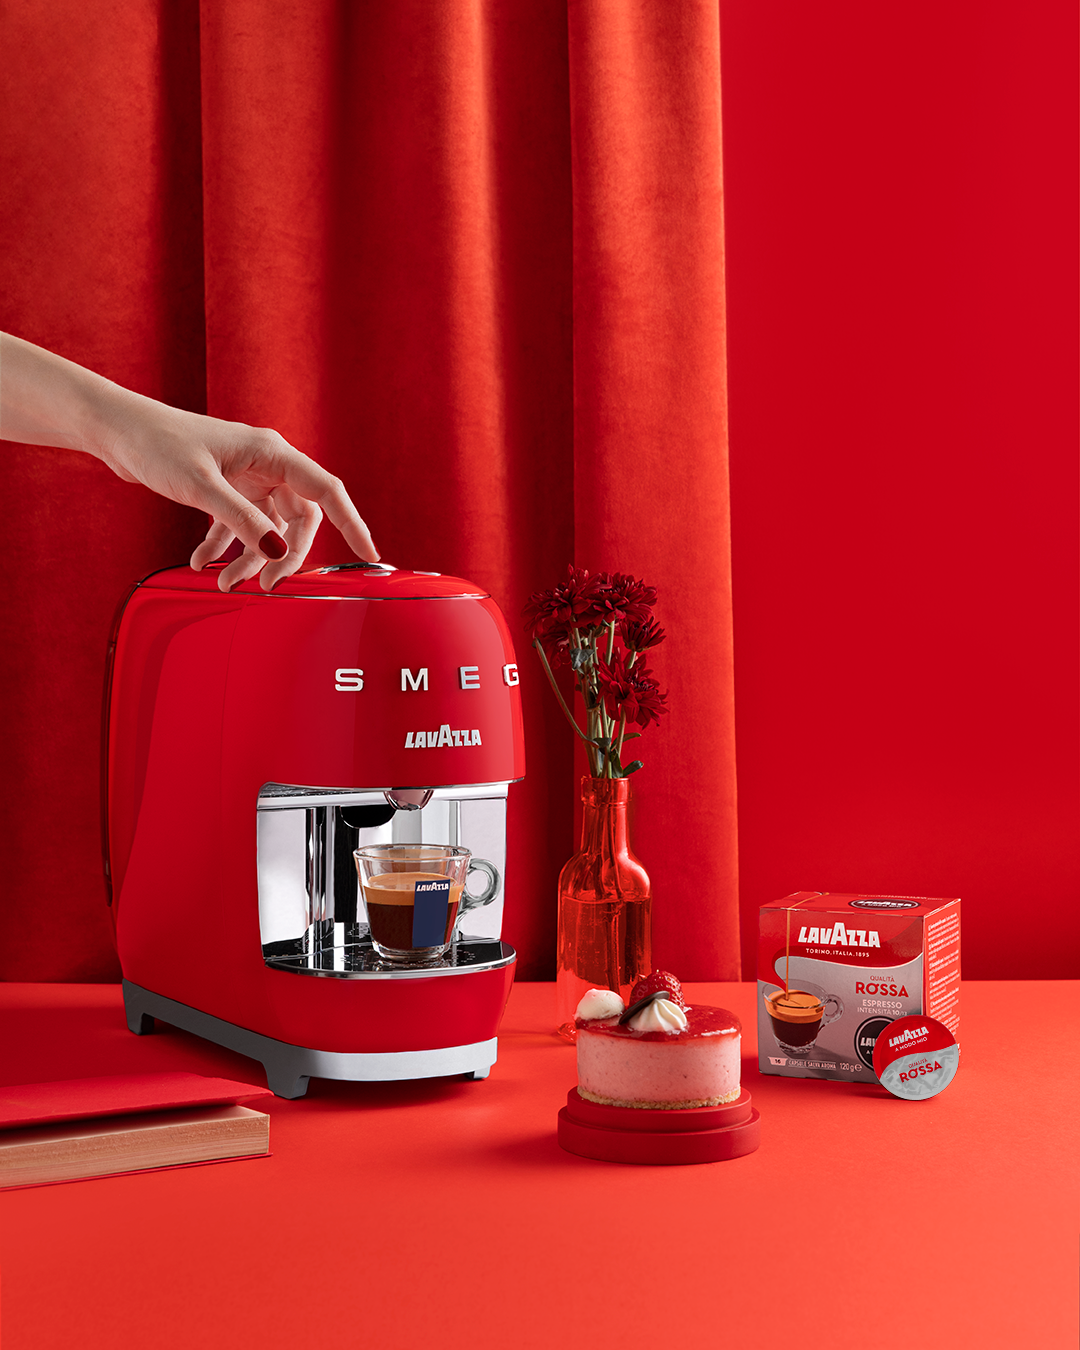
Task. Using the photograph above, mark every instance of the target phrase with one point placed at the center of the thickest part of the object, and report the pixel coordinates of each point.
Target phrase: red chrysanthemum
(571, 605)
(631, 597)
(599, 624)
(556, 645)
(632, 694)
(639, 637)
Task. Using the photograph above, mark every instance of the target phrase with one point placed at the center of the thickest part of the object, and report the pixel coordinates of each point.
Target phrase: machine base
(289, 1067)
(626, 1135)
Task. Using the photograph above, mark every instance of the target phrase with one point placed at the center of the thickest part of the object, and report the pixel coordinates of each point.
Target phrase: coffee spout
(408, 799)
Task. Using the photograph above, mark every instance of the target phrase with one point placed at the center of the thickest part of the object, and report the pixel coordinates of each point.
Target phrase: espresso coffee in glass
(797, 1015)
(413, 894)
(796, 1019)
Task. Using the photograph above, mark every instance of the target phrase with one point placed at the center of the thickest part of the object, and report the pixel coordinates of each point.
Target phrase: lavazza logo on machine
(835, 970)
(351, 680)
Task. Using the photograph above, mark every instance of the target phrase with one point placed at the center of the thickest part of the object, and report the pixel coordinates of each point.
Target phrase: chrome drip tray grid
(354, 958)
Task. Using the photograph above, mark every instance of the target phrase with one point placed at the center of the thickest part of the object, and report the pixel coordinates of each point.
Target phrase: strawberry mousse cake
(656, 1054)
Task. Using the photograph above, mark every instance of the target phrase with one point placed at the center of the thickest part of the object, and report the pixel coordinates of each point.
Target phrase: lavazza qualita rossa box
(834, 970)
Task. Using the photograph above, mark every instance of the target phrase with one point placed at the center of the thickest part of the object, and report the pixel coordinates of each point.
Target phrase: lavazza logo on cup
(835, 970)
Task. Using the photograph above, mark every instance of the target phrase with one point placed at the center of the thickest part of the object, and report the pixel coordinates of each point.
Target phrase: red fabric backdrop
(469, 256)
(901, 235)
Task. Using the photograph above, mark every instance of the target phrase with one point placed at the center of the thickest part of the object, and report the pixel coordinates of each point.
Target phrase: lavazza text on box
(863, 960)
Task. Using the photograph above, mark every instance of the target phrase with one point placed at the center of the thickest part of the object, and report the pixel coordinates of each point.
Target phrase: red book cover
(116, 1095)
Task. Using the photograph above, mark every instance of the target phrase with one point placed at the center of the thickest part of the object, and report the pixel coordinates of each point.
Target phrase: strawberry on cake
(656, 1054)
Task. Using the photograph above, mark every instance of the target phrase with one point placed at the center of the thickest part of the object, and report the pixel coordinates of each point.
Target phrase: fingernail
(272, 546)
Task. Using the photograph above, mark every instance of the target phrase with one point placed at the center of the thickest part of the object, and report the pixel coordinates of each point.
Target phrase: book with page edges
(93, 1127)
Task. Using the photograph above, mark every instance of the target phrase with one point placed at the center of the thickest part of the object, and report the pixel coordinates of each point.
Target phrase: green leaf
(633, 767)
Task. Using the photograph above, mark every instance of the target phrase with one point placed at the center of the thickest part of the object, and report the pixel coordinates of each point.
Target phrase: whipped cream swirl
(600, 1004)
(662, 1014)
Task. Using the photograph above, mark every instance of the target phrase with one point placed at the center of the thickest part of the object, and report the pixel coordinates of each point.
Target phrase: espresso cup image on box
(414, 895)
(797, 1014)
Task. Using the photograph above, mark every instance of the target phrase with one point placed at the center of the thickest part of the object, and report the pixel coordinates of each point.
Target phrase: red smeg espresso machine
(254, 741)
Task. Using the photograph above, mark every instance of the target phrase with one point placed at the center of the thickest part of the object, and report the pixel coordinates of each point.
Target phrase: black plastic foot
(139, 1022)
(285, 1084)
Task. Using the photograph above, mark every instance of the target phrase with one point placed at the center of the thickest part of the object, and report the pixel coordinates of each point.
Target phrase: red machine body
(341, 679)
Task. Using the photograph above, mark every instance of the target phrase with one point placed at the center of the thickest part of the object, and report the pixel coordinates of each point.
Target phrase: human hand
(256, 486)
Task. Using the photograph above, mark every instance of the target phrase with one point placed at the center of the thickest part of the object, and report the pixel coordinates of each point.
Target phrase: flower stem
(558, 693)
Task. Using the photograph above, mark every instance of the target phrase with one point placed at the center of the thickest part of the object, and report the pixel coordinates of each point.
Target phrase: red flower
(639, 637)
(556, 645)
(571, 605)
(632, 694)
(587, 601)
(606, 602)
(632, 597)
(577, 624)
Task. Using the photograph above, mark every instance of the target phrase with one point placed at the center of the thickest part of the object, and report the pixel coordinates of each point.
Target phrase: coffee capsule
(916, 1057)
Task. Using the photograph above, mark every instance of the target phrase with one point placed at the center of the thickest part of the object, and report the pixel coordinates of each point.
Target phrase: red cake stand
(627, 1135)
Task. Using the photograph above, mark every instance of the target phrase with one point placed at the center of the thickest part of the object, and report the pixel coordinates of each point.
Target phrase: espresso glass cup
(413, 894)
(797, 1015)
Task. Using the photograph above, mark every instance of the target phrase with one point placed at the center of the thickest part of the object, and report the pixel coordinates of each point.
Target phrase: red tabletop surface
(443, 1213)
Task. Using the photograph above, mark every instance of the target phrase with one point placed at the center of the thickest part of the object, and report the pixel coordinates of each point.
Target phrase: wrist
(109, 419)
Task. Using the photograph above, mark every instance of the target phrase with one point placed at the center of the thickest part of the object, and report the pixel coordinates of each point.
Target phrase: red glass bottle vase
(605, 902)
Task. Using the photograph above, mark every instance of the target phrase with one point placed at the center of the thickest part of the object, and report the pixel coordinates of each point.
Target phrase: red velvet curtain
(468, 256)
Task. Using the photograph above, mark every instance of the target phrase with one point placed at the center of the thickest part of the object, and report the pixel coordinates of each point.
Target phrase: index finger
(312, 481)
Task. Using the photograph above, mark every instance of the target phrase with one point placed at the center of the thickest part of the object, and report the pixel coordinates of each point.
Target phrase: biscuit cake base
(640, 1104)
